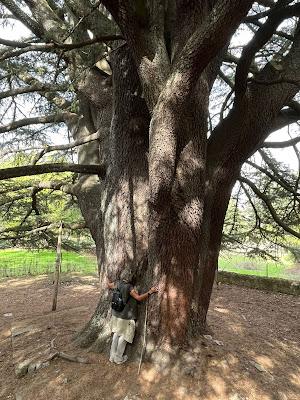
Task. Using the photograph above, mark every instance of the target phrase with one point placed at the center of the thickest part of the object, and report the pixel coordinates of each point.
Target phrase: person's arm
(144, 296)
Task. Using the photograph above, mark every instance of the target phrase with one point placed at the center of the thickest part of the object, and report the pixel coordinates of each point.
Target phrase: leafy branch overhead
(56, 86)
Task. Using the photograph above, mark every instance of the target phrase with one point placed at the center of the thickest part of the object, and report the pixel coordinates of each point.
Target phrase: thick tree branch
(14, 43)
(258, 113)
(64, 186)
(53, 26)
(226, 79)
(266, 3)
(280, 145)
(257, 16)
(30, 89)
(230, 58)
(7, 16)
(211, 37)
(295, 105)
(23, 17)
(52, 97)
(44, 119)
(89, 17)
(27, 170)
(286, 117)
(27, 230)
(270, 207)
(48, 47)
(97, 39)
(276, 33)
(277, 15)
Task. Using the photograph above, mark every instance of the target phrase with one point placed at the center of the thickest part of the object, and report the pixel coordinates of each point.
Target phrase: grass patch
(21, 262)
(18, 262)
(257, 266)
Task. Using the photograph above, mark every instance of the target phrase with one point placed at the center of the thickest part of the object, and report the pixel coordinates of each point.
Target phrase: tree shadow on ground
(252, 353)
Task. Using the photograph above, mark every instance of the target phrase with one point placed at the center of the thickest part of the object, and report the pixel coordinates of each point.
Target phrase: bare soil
(253, 352)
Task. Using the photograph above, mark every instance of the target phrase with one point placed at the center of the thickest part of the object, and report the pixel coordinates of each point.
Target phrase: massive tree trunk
(163, 203)
(161, 208)
(167, 230)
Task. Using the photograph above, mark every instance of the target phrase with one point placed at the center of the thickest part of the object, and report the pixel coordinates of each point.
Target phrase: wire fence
(32, 270)
(21, 262)
(283, 268)
(14, 263)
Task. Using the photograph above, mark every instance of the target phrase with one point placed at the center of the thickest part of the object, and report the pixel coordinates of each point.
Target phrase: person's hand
(109, 285)
(154, 289)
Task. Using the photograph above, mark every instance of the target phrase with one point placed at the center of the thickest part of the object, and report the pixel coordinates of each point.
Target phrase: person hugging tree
(124, 314)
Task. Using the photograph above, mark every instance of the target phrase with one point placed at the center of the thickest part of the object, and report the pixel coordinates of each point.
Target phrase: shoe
(122, 361)
(111, 359)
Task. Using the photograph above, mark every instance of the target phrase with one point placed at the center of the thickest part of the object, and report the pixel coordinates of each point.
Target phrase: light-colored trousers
(117, 349)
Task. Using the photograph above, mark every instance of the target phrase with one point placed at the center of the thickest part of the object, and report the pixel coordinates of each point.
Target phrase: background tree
(132, 82)
(31, 209)
(263, 208)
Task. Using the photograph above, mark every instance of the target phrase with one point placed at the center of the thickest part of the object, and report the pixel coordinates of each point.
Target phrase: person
(123, 322)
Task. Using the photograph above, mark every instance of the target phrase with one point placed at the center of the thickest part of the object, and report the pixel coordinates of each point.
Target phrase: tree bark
(162, 204)
(159, 227)
(123, 196)
(176, 184)
(161, 208)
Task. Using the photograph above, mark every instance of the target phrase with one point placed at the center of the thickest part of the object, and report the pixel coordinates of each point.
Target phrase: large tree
(132, 81)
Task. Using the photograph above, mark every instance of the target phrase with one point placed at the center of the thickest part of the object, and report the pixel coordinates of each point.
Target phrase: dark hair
(126, 275)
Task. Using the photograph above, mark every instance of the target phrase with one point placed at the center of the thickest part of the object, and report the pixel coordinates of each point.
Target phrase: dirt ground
(253, 352)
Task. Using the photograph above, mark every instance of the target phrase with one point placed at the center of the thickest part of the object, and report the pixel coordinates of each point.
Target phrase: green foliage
(18, 215)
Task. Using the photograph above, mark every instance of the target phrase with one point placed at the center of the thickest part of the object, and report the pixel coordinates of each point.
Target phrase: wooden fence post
(57, 266)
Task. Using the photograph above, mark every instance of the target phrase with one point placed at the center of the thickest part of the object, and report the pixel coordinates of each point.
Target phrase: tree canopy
(42, 79)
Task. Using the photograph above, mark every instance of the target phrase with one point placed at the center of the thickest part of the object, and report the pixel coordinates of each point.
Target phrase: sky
(286, 155)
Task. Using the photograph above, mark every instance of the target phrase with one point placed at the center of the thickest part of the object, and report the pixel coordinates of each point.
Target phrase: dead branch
(71, 358)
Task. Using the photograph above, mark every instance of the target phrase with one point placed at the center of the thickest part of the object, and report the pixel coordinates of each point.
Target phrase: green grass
(17, 262)
(257, 266)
